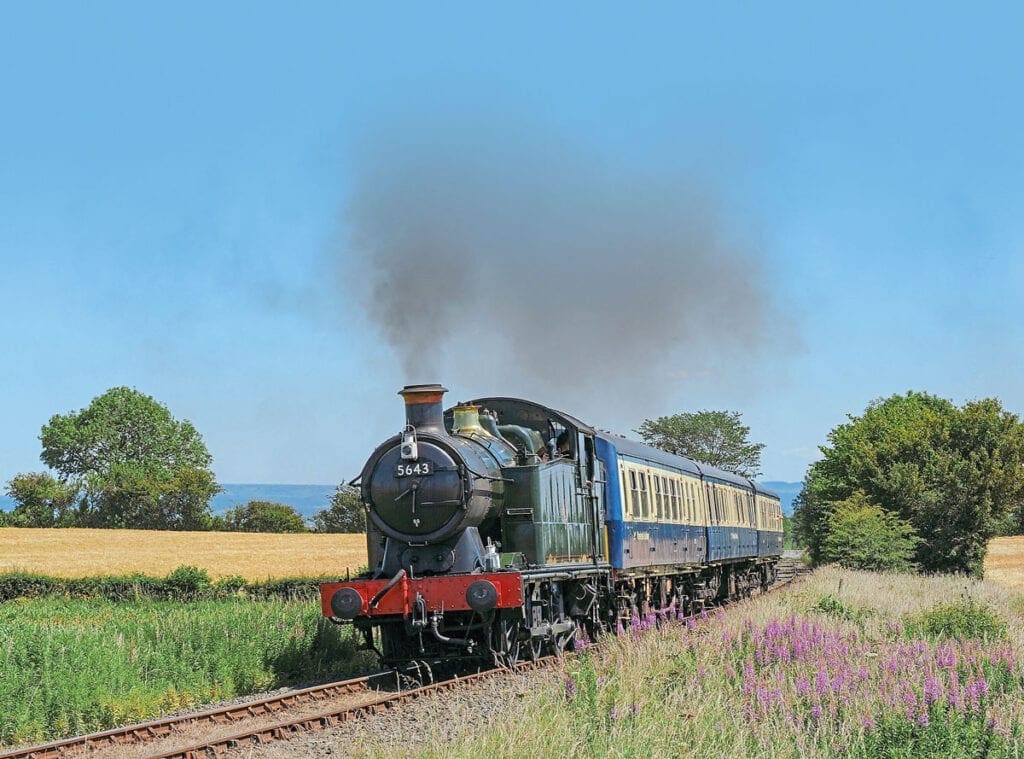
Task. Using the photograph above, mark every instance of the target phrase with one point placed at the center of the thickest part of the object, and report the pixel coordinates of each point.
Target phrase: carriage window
(645, 506)
(659, 511)
(673, 485)
(634, 495)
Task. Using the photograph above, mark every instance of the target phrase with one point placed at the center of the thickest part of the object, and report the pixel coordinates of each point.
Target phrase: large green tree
(131, 461)
(345, 514)
(718, 438)
(954, 474)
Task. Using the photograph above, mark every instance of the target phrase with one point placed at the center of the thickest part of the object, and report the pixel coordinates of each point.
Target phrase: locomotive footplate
(398, 596)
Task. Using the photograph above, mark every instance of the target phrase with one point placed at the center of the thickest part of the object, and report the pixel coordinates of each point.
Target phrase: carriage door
(591, 487)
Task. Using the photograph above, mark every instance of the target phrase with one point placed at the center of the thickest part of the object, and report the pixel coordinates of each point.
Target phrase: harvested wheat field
(1004, 562)
(76, 552)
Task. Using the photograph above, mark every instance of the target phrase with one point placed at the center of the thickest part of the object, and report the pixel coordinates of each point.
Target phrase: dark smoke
(508, 265)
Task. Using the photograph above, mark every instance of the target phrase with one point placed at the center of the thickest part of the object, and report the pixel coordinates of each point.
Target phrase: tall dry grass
(76, 552)
(837, 665)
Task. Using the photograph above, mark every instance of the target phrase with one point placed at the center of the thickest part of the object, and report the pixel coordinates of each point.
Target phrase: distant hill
(786, 491)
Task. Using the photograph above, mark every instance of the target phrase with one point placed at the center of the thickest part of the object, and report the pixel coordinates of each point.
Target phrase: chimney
(423, 407)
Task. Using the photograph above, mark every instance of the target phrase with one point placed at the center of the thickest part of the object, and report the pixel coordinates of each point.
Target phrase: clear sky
(173, 185)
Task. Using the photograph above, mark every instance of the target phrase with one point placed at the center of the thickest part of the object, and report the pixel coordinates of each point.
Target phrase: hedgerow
(186, 583)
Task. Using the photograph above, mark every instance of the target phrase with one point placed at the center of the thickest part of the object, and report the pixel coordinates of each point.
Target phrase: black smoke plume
(504, 264)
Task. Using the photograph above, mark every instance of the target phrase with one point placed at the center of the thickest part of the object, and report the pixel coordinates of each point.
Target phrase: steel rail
(324, 720)
(165, 726)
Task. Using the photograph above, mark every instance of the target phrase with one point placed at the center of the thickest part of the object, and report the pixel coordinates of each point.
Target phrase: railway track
(279, 716)
(789, 570)
(349, 699)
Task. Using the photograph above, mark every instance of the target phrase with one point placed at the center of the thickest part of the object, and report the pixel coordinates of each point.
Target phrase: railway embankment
(839, 664)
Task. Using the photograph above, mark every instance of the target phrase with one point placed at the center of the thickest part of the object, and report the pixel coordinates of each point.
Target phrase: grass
(79, 552)
(69, 667)
(845, 664)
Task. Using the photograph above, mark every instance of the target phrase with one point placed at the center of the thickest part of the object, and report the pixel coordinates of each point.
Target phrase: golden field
(1004, 562)
(76, 552)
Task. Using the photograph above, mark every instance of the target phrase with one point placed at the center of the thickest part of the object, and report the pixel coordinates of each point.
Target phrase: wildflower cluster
(799, 672)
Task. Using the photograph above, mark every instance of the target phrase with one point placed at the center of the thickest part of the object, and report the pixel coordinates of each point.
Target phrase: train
(501, 530)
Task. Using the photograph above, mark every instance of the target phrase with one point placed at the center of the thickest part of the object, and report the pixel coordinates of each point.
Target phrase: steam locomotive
(501, 529)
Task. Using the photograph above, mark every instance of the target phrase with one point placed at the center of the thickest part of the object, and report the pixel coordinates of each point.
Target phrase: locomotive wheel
(536, 647)
(565, 641)
(505, 640)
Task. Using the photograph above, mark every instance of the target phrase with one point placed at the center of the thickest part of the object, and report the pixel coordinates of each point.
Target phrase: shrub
(833, 607)
(862, 535)
(228, 586)
(264, 516)
(963, 619)
(187, 582)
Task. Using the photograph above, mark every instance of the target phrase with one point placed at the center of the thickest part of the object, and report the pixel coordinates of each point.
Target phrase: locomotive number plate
(414, 469)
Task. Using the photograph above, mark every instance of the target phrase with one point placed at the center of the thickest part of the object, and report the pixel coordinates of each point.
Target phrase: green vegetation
(43, 500)
(718, 438)
(790, 541)
(182, 584)
(963, 619)
(863, 536)
(264, 516)
(73, 666)
(834, 667)
(951, 473)
(123, 461)
(345, 514)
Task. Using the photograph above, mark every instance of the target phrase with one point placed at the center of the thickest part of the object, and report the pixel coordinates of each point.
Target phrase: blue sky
(173, 185)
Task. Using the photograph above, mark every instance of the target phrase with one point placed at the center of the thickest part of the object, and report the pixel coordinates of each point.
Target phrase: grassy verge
(844, 665)
(69, 666)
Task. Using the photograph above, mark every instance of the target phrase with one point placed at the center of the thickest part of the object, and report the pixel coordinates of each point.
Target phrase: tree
(345, 514)
(717, 438)
(954, 474)
(862, 535)
(264, 516)
(134, 464)
(42, 500)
